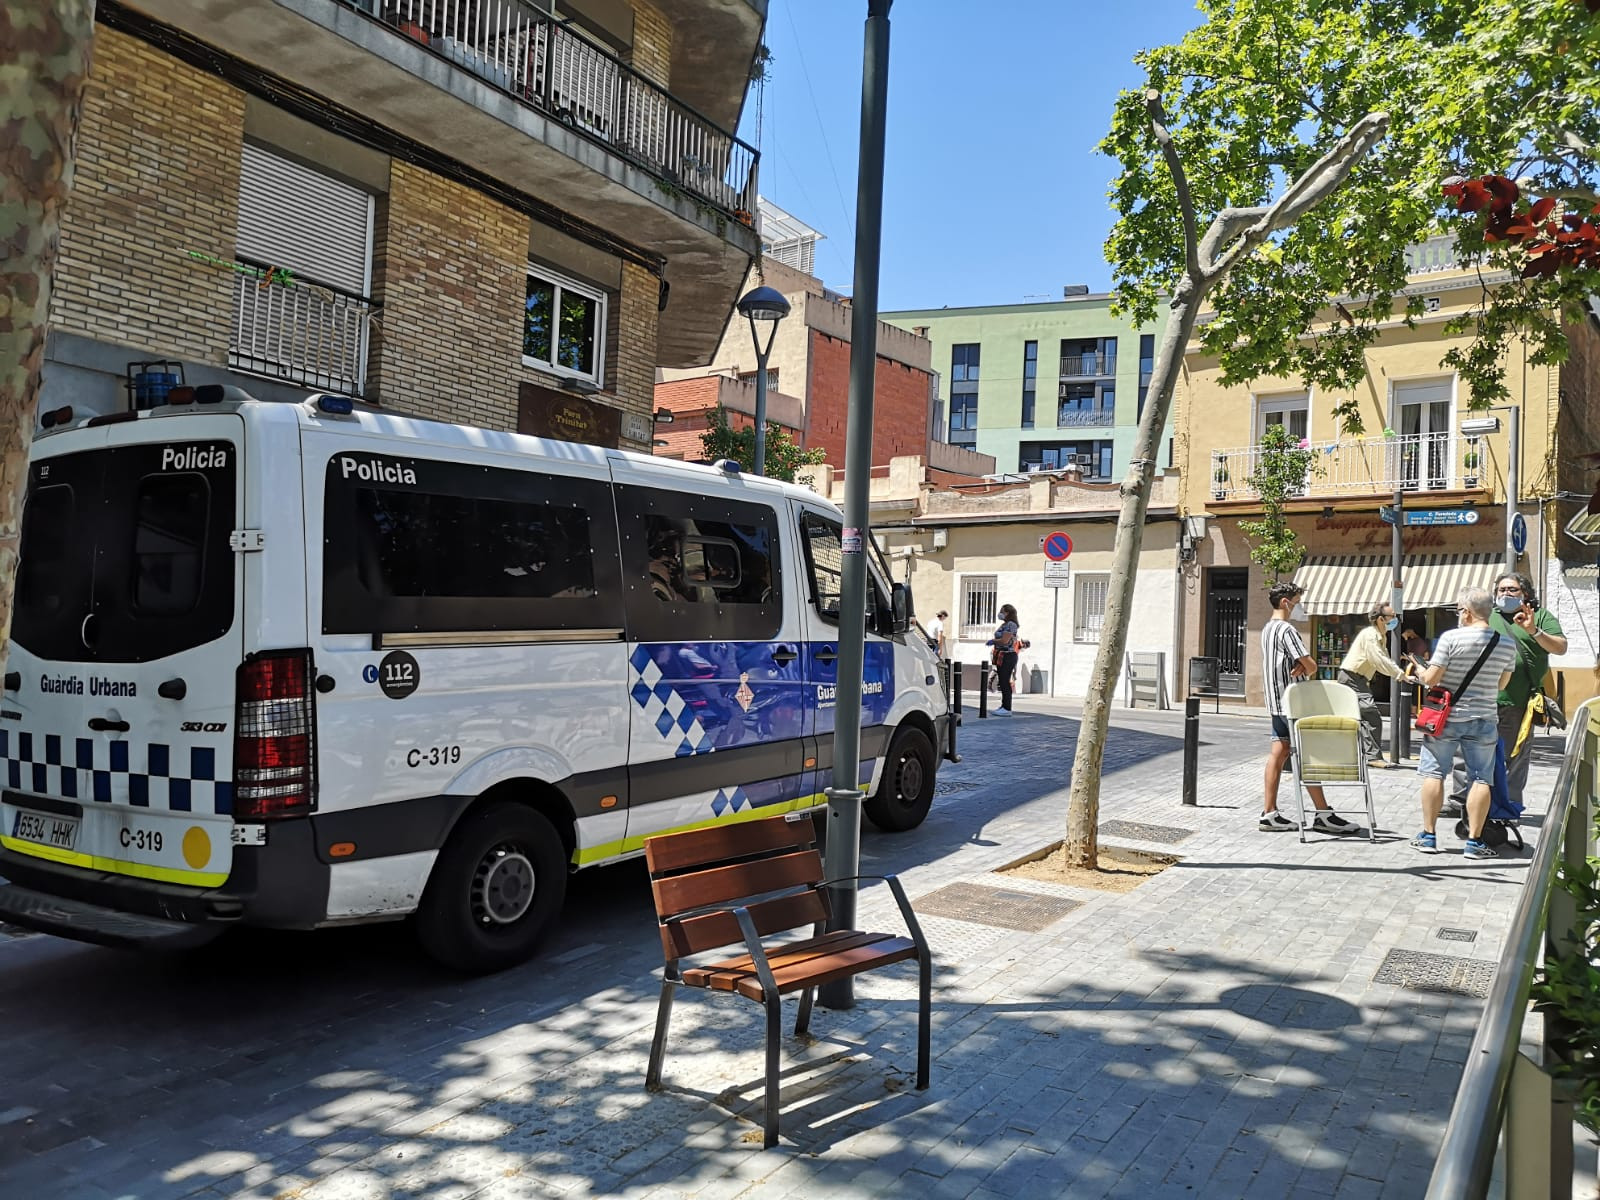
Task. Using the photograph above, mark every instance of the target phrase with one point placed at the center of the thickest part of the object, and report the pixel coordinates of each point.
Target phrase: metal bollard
(955, 690)
(1191, 749)
(1405, 723)
(983, 690)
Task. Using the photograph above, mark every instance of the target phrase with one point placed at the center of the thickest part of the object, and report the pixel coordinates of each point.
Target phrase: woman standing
(1004, 642)
(1361, 666)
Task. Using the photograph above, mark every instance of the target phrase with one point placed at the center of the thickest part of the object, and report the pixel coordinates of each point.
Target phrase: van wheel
(495, 890)
(905, 793)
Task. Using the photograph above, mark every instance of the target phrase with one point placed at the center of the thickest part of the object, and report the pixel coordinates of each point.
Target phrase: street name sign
(1441, 516)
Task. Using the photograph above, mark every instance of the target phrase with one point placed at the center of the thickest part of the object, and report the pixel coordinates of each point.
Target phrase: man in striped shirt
(1284, 659)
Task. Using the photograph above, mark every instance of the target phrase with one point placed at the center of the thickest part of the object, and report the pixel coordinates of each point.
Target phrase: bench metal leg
(774, 1034)
(924, 1017)
(802, 1023)
(658, 1048)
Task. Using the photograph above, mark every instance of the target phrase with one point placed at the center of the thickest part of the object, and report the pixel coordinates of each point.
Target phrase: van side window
(47, 584)
(700, 568)
(825, 557)
(169, 543)
(466, 549)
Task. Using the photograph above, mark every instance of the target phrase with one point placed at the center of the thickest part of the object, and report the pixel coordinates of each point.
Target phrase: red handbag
(1433, 714)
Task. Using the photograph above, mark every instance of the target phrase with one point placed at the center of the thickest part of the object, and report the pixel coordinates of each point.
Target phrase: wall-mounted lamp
(941, 538)
(1191, 531)
(664, 416)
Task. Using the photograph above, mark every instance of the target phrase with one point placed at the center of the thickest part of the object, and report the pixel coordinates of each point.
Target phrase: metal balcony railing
(547, 66)
(1071, 415)
(1087, 366)
(1364, 466)
(310, 333)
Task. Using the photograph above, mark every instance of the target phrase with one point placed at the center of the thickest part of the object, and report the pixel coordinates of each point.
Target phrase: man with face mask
(1537, 635)
(1284, 659)
(1361, 665)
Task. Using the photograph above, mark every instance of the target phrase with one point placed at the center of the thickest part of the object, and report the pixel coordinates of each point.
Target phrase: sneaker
(1328, 821)
(1001, 712)
(1276, 822)
(1425, 842)
(1478, 851)
(1452, 808)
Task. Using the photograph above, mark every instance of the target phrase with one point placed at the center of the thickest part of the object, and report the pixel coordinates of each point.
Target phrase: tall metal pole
(843, 848)
(1396, 602)
(1514, 461)
(761, 402)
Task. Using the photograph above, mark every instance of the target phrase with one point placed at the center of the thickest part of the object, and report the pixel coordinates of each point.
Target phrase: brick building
(452, 216)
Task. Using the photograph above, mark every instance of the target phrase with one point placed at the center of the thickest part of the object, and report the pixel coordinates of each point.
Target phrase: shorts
(1474, 741)
(1280, 728)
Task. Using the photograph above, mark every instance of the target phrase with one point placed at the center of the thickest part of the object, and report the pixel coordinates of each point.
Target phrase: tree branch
(1319, 181)
(1180, 181)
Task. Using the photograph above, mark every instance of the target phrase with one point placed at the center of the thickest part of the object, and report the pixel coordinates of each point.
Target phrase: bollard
(1191, 749)
(955, 690)
(1405, 722)
(983, 690)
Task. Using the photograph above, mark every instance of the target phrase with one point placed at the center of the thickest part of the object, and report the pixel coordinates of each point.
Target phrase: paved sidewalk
(1216, 1032)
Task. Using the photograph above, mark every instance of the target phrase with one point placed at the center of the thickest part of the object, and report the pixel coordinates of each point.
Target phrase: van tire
(905, 793)
(495, 890)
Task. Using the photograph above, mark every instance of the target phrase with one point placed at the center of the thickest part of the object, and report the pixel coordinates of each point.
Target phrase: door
(1422, 419)
(1225, 626)
(117, 746)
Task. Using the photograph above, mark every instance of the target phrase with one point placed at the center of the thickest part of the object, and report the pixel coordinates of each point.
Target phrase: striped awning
(1338, 585)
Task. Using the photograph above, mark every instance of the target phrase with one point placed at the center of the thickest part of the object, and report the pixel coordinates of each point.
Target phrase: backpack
(1504, 820)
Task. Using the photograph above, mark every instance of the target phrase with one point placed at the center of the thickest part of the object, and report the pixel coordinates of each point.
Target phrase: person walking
(1536, 635)
(1004, 642)
(1471, 662)
(1284, 659)
(1361, 665)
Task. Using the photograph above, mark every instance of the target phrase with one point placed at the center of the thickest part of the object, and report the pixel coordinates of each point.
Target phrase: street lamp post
(767, 306)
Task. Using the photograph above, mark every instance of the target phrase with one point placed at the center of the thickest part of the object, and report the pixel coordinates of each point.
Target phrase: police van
(303, 664)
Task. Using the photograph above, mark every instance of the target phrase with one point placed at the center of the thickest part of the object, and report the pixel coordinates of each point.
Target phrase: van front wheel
(905, 792)
(495, 890)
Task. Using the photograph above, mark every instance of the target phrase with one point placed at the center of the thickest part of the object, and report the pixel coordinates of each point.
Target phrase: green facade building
(1041, 386)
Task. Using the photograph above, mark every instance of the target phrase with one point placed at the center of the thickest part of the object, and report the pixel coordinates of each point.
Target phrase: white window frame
(602, 329)
(1398, 387)
(1282, 402)
(985, 590)
(1080, 608)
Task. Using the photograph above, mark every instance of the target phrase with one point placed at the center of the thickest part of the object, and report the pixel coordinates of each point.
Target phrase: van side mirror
(902, 607)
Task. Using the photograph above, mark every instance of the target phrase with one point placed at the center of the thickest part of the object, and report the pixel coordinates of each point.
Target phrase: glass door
(1422, 420)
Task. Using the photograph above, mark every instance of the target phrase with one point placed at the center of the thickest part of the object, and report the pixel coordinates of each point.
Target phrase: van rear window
(123, 558)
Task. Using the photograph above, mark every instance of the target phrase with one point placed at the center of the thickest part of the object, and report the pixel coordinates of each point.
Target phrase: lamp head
(763, 304)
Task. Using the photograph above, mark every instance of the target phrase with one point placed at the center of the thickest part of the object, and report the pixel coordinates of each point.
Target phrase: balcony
(1379, 466)
(1087, 366)
(307, 333)
(1069, 415)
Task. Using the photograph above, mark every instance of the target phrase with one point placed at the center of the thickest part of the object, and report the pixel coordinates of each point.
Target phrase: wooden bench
(741, 882)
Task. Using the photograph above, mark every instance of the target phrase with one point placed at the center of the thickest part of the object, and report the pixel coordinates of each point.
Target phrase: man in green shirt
(1537, 635)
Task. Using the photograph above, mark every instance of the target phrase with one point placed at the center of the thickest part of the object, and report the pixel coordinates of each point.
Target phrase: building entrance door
(1225, 625)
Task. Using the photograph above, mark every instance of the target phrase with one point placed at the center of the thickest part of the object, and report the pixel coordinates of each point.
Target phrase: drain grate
(1145, 833)
(1005, 907)
(1458, 935)
(1421, 972)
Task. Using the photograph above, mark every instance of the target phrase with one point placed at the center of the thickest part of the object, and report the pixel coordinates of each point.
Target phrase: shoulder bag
(1434, 712)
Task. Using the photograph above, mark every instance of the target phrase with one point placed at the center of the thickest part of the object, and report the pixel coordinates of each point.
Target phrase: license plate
(60, 833)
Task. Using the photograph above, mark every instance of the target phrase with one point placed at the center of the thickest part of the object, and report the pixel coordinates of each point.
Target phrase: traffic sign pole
(1395, 601)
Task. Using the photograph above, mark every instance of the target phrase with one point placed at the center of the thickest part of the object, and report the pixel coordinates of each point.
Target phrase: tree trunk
(44, 74)
(1082, 846)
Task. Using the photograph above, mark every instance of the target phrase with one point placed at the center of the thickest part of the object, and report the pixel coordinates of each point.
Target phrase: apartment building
(508, 215)
(1056, 386)
(1451, 467)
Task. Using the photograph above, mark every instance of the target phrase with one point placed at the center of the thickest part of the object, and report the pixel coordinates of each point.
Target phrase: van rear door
(115, 748)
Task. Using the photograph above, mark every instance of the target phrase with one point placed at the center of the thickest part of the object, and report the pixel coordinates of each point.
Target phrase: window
(1422, 417)
(699, 568)
(980, 604)
(1147, 367)
(1086, 404)
(563, 326)
(47, 582)
(964, 394)
(1093, 458)
(1030, 374)
(1292, 411)
(1088, 357)
(1089, 606)
(750, 378)
(825, 556)
(419, 546)
(169, 543)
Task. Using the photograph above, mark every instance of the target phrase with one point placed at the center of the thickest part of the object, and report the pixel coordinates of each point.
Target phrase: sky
(993, 191)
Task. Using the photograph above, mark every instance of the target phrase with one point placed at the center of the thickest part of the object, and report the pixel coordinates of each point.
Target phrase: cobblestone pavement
(1219, 1031)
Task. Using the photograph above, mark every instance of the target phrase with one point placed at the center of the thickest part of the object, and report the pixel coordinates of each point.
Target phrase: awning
(1338, 585)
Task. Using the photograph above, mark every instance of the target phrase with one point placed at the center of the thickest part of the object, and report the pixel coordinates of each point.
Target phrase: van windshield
(125, 554)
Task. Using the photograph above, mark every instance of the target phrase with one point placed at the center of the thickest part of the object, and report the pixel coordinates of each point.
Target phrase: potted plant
(1469, 464)
(1219, 479)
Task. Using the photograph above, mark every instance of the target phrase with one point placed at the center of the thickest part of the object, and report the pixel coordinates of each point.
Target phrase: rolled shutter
(292, 216)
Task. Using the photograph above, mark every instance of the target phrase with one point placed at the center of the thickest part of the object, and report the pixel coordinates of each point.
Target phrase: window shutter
(314, 225)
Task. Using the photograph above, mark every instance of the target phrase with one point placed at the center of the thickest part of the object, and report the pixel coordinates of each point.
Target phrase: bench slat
(697, 934)
(722, 975)
(808, 970)
(718, 843)
(727, 884)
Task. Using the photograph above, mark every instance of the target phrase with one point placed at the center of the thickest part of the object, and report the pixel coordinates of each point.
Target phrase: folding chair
(1325, 743)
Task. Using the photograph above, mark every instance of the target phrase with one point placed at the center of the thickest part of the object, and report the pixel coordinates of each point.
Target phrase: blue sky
(993, 193)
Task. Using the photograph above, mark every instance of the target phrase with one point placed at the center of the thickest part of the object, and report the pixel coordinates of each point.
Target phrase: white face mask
(1298, 612)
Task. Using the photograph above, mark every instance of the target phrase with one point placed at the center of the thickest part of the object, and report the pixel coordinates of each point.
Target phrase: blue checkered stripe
(141, 774)
(664, 708)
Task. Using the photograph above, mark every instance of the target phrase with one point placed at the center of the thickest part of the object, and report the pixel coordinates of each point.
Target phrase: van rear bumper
(93, 923)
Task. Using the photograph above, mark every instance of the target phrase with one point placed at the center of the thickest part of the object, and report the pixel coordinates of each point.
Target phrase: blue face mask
(1391, 624)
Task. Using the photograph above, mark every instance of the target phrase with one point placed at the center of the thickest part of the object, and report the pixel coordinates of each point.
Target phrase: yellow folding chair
(1325, 743)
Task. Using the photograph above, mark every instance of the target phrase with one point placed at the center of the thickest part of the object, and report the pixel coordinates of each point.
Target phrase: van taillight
(274, 748)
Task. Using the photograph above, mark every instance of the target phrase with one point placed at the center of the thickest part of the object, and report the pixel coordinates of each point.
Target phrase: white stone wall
(1569, 592)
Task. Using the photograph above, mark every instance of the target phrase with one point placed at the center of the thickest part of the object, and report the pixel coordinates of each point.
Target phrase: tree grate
(1421, 972)
(1144, 833)
(1458, 935)
(1005, 907)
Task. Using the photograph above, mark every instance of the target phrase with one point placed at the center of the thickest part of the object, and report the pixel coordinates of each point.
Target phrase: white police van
(302, 664)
